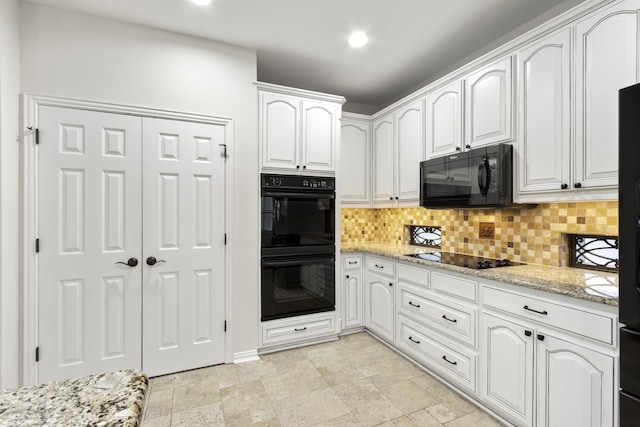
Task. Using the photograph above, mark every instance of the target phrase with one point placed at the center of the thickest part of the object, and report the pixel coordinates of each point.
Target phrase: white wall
(79, 56)
(9, 212)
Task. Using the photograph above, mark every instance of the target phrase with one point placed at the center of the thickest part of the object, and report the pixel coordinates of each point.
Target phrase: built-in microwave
(481, 177)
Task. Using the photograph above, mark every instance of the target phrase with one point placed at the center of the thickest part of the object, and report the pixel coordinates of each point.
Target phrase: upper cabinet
(544, 115)
(398, 148)
(444, 120)
(299, 130)
(355, 141)
(488, 106)
(606, 61)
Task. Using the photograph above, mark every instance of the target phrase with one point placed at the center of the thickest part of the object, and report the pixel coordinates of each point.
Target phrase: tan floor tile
(227, 376)
(452, 400)
(408, 396)
(283, 358)
(343, 377)
(301, 370)
(367, 403)
(262, 413)
(163, 421)
(311, 409)
(441, 413)
(239, 398)
(184, 378)
(424, 419)
(348, 420)
(275, 388)
(400, 370)
(425, 381)
(194, 395)
(202, 416)
(160, 403)
(476, 419)
(256, 370)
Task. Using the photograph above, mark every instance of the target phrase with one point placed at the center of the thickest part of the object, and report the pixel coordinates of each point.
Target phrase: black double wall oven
(298, 245)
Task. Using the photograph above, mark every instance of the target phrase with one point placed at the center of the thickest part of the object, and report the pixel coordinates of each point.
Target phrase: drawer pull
(415, 305)
(300, 329)
(444, 316)
(353, 262)
(544, 313)
(412, 340)
(379, 266)
(448, 361)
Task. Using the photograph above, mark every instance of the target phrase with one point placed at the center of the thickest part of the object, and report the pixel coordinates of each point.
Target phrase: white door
(379, 303)
(444, 120)
(383, 161)
(183, 228)
(279, 131)
(354, 162)
(409, 128)
(89, 207)
(319, 135)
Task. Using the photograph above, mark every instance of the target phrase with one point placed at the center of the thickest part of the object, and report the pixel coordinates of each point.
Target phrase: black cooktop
(462, 260)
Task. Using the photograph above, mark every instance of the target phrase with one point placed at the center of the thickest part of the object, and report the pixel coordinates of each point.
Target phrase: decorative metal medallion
(594, 252)
(426, 236)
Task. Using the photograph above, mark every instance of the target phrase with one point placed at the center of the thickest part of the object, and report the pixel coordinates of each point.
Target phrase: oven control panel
(298, 182)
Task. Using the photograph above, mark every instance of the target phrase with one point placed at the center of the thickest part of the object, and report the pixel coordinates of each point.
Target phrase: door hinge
(225, 238)
(225, 154)
(225, 326)
(37, 354)
(37, 245)
(36, 134)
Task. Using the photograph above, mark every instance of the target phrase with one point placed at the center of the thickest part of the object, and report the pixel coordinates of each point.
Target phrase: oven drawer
(351, 262)
(576, 320)
(454, 286)
(381, 267)
(296, 329)
(451, 361)
(451, 318)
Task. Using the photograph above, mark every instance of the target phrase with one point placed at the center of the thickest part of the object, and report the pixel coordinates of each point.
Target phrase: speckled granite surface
(573, 282)
(111, 399)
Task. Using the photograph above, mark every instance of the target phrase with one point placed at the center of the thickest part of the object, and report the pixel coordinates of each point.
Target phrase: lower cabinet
(575, 385)
(352, 293)
(379, 303)
(292, 331)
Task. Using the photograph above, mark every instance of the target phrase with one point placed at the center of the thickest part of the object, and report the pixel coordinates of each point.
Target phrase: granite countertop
(600, 287)
(111, 399)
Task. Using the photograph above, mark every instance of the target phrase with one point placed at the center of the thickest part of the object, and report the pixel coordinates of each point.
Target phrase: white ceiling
(303, 43)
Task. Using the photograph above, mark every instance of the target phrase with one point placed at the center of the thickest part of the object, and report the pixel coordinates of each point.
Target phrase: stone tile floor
(355, 381)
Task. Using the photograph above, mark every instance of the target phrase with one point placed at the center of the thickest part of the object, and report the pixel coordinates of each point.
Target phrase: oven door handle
(291, 262)
(314, 195)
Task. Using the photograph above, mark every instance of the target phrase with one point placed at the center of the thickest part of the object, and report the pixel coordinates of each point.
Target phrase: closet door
(89, 269)
(183, 229)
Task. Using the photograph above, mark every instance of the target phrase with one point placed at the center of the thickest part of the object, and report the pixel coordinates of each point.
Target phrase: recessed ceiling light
(201, 2)
(358, 39)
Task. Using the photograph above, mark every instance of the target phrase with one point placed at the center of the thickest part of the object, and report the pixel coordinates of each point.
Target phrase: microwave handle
(484, 176)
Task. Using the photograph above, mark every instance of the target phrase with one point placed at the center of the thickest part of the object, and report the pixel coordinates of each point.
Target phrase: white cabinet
(379, 298)
(606, 61)
(353, 292)
(488, 104)
(398, 141)
(355, 140)
(294, 331)
(444, 119)
(299, 130)
(544, 154)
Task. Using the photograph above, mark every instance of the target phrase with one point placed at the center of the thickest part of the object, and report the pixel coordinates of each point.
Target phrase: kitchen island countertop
(596, 286)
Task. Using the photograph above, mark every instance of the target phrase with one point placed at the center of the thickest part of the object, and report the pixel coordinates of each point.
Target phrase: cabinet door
(409, 127)
(544, 115)
(280, 131)
(488, 105)
(319, 134)
(575, 385)
(383, 160)
(353, 300)
(444, 120)
(606, 61)
(508, 368)
(379, 306)
(354, 161)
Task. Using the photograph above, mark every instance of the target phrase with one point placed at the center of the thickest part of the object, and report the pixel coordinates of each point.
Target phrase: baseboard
(246, 356)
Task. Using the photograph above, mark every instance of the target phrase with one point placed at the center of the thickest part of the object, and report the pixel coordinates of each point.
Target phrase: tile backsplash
(534, 235)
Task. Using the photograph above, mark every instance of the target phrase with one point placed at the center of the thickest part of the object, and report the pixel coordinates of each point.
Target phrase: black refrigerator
(629, 252)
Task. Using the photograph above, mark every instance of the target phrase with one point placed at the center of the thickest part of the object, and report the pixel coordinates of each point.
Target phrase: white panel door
(183, 228)
(444, 120)
(319, 136)
(488, 104)
(379, 307)
(279, 131)
(353, 300)
(89, 207)
(383, 160)
(409, 128)
(544, 127)
(354, 162)
(606, 61)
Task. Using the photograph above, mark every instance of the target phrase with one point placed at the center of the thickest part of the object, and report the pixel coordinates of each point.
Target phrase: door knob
(131, 262)
(153, 261)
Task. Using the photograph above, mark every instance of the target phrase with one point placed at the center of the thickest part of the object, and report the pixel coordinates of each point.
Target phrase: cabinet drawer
(454, 286)
(352, 262)
(453, 362)
(571, 319)
(415, 275)
(288, 330)
(381, 266)
(455, 320)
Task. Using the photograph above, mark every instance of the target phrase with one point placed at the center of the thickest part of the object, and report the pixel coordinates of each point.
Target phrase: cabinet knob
(391, 198)
(467, 146)
(396, 197)
(390, 284)
(347, 276)
(304, 167)
(577, 185)
(297, 166)
(540, 337)
(458, 148)
(527, 333)
(564, 186)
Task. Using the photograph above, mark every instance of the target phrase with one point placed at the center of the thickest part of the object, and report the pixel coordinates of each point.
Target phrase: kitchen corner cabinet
(298, 133)
(444, 119)
(488, 104)
(353, 292)
(379, 298)
(543, 161)
(355, 141)
(606, 61)
(398, 148)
